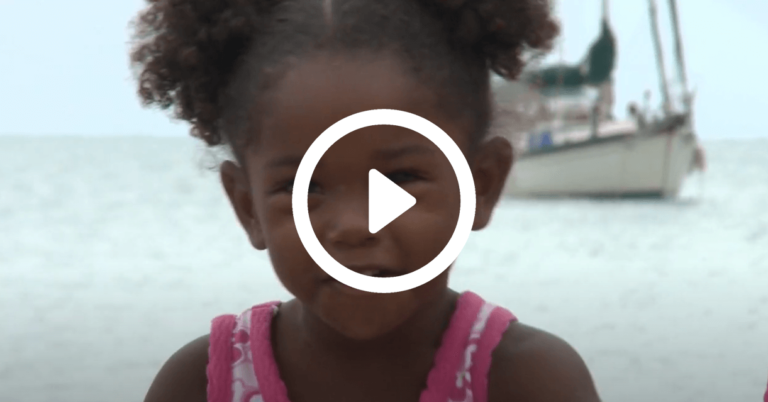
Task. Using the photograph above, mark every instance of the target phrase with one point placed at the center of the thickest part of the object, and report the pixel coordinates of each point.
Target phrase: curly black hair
(202, 57)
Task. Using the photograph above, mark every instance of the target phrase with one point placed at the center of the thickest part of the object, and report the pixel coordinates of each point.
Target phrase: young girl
(265, 78)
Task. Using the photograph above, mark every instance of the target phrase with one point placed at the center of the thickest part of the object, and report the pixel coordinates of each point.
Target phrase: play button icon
(386, 201)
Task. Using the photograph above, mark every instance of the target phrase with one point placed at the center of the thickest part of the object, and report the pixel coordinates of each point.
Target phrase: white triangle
(386, 201)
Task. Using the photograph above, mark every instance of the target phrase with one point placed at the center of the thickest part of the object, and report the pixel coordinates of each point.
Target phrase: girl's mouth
(376, 272)
(379, 273)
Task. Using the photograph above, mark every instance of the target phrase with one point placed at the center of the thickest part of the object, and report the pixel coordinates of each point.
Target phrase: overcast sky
(64, 64)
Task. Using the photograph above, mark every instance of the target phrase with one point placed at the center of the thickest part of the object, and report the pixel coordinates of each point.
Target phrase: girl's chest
(333, 389)
(320, 380)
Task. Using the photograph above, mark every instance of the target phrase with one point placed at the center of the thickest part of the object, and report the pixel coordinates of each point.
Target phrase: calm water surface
(114, 252)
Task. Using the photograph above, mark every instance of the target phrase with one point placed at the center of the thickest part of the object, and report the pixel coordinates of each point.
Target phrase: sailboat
(568, 143)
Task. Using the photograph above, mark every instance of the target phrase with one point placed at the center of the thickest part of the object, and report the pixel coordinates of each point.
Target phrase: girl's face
(308, 100)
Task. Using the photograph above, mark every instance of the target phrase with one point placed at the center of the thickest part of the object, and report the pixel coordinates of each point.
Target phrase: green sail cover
(595, 69)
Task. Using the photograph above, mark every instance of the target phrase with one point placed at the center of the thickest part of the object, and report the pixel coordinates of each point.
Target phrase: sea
(116, 251)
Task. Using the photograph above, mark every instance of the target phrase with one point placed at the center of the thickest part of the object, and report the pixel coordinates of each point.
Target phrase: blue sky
(64, 64)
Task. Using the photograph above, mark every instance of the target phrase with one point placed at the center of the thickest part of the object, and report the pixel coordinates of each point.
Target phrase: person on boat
(639, 117)
(264, 79)
(699, 159)
(606, 99)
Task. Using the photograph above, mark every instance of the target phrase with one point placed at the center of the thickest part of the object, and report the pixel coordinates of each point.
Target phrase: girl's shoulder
(183, 377)
(529, 364)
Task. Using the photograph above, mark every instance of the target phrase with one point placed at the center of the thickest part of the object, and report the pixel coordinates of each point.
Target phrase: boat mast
(597, 108)
(679, 53)
(659, 56)
(561, 77)
(606, 89)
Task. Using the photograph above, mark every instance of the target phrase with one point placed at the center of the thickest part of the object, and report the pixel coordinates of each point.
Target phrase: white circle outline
(412, 122)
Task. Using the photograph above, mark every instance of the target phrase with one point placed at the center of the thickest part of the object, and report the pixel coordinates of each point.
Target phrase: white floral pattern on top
(245, 386)
(463, 391)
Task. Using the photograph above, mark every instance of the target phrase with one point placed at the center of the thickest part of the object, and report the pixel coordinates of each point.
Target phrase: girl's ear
(238, 190)
(490, 167)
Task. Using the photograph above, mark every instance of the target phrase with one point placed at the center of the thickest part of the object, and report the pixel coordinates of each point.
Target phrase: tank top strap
(219, 368)
(462, 362)
(486, 334)
(230, 370)
(765, 397)
(264, 366)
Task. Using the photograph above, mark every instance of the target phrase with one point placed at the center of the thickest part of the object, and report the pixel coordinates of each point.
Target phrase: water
(114, 252)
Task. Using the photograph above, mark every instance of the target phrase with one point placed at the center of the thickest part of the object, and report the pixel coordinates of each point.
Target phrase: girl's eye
(402, 177)
(288, 188)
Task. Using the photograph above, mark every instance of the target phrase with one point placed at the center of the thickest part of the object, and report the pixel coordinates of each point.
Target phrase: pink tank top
(242, 368)
(765, 397)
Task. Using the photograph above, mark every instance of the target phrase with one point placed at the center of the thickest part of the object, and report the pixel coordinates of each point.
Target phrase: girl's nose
(347, 224)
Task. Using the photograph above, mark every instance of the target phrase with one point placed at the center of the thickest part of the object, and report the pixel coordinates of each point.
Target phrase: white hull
(627, 165)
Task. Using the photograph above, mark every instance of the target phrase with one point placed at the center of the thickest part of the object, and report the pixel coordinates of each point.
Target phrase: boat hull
(634, 165)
